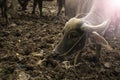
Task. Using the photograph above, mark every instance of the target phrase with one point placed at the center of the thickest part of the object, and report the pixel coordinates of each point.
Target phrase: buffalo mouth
(79, 45)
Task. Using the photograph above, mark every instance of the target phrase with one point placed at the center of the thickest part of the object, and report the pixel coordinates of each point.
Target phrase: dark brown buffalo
(8, 9)
(24, 3)
(60, 3)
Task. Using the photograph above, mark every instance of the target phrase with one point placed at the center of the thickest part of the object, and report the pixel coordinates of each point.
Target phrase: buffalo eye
(73, 35)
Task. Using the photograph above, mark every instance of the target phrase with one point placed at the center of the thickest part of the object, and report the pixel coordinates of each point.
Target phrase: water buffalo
(8, 9)
(24, 3)
(78, 30)
(40, 2)
(75, 35)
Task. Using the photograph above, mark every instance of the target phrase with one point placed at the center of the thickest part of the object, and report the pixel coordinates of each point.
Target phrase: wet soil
(30, 38)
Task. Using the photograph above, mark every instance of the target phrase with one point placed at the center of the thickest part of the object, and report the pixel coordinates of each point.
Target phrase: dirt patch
(26, 43)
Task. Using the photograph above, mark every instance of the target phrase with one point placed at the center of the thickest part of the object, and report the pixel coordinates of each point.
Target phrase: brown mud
(30, 38)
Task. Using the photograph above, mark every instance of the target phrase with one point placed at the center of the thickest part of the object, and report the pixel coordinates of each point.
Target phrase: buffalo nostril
(55, 53)
(56, 56)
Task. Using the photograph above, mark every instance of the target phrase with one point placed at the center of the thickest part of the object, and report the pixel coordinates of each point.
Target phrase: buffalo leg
(116, 27)
(25, 5)
(34, 6)
(2, 11)
(20, 2)
(5, 13)
(40, 6)
(98, 51)
(60, 4)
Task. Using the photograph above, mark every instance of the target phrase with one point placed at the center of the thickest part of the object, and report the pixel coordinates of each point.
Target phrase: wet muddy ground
(30, 38)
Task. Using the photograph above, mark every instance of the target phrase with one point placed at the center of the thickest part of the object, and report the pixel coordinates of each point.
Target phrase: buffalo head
(75, 34)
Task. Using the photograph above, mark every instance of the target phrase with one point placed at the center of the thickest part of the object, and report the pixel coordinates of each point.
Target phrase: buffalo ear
(98, 39)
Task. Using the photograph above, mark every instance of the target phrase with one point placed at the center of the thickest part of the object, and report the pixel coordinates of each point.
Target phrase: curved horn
(88, 27)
